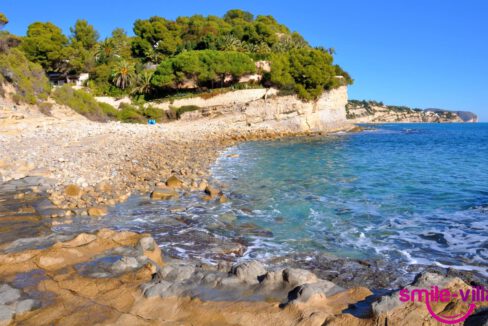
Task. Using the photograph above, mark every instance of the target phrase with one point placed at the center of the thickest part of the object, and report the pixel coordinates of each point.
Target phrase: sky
(419, 53)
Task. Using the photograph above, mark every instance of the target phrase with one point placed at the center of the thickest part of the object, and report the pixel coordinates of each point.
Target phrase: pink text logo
(434, 294)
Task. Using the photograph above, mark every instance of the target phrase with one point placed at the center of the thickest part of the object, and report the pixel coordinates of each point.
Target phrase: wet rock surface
(120, 278)
(248, 281)
(23, 211)
(374, 274)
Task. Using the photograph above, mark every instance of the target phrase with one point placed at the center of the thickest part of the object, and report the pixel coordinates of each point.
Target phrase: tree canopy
(308, 71)
(3, 20)
(156, 38)
(85, 34)
(205, 68)
(28, 78)
(189, 52)
(44, 44)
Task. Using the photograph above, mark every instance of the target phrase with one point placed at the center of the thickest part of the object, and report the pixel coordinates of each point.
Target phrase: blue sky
(420, 53)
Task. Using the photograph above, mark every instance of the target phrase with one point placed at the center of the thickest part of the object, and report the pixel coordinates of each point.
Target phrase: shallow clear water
(416, 193)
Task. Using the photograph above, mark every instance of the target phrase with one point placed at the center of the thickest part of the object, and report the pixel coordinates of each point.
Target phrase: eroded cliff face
(376, 112)
(265, 108)
(281, 113)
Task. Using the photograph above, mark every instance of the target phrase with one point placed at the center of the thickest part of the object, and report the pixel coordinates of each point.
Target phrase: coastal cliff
(265, 108)
(377, 112)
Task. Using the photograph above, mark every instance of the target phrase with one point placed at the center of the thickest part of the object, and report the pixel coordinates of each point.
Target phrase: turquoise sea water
(413, 193)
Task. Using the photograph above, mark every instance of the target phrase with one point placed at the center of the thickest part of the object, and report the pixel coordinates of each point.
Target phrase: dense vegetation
(84, 104)
(165, 54)
(205, 68)
(307, 71)
(166, 57)
(28, 78)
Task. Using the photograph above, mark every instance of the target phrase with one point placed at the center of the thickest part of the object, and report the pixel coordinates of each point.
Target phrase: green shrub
(241, 86)
(130, 114)
(28, 78)
(8, 41)
(84, 104)
(154, 113)
(109, 110)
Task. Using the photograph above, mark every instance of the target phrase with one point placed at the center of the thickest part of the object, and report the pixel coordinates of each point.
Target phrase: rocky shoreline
(120, 278)
(55, 169)
(83, 165)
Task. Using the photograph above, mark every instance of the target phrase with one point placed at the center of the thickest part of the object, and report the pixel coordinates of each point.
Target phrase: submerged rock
(27, 210)
(212, 191)
(97, 211)
(223, 199)
(231, 248)
(164, 194)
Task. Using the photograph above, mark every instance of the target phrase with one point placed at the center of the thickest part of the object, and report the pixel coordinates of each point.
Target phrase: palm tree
(286, 43)
(263, 48)
(105, 50)
(123, 74)
(230, 43)
(143, 82)
(251, 47)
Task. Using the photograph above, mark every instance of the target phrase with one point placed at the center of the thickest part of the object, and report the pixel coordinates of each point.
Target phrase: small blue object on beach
(151, 122)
